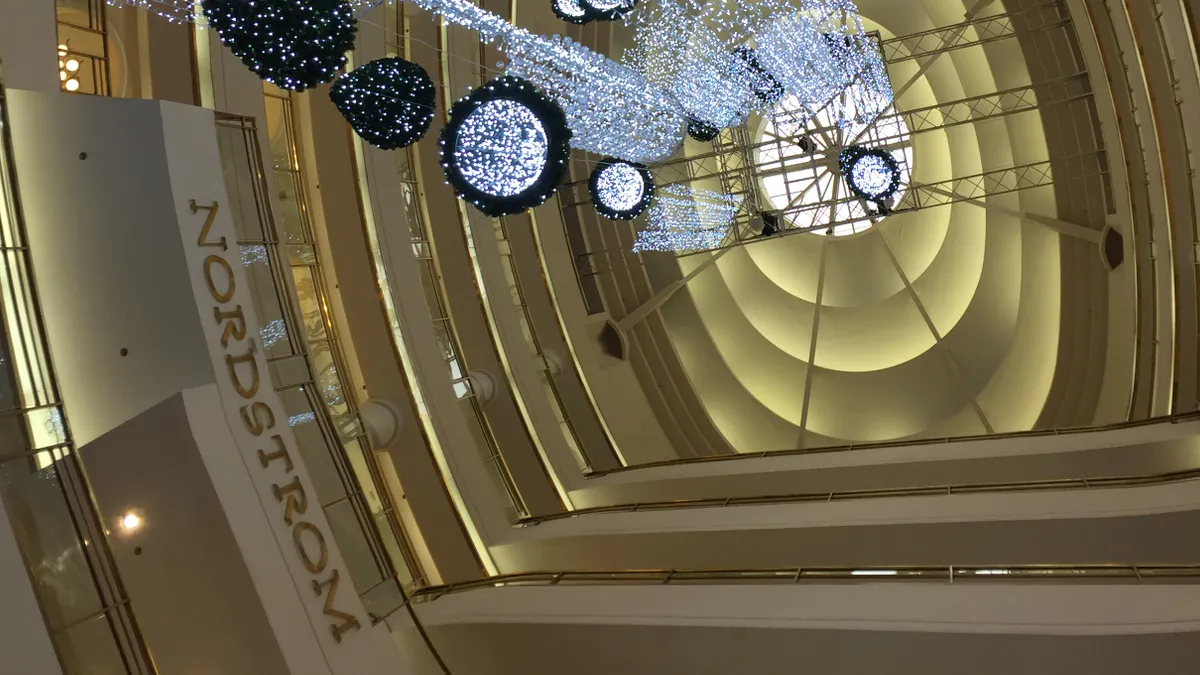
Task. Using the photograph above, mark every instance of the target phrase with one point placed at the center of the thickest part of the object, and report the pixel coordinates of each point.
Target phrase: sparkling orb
(872, 175)
(621, 187)
(502, 148)
(505, 147)
(620, 190)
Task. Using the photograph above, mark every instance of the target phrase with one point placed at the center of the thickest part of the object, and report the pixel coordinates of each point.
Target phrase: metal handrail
(791, 452)
(881, 493)
(795, 575)
(553, 397)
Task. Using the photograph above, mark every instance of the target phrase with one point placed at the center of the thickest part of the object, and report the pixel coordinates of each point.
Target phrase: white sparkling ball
(620, 187)
(502, 148)
(872, 175)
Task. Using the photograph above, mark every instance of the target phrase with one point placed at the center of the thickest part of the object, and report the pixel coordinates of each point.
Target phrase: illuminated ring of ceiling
(927, 319)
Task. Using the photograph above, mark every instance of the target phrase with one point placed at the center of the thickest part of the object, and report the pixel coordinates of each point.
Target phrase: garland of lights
(612, 110)
(505, 147)
(293, 44)
(687, 219)
(872, 174)
(683, 66)
(620, 190)
(389, 102)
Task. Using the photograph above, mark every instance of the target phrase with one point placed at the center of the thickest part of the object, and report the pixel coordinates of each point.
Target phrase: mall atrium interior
(652, 337)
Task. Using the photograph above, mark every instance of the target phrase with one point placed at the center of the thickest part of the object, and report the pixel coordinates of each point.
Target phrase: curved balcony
(44, 491)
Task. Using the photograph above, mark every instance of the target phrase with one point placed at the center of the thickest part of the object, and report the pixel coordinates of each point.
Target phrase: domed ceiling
(932, 323)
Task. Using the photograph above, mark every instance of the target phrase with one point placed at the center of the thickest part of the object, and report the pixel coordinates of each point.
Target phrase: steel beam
(816, 217)
(975, 31)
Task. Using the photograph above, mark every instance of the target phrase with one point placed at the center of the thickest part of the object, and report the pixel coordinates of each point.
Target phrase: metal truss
(729, 158)
(738, 175)
(976, 32)
(818, 217)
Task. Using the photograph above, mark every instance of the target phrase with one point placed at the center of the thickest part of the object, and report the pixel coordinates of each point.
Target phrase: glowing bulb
(131, 521)
(72, 85)
(72, 65)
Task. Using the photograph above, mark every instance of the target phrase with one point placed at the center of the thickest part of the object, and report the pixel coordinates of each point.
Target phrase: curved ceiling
(940, 322)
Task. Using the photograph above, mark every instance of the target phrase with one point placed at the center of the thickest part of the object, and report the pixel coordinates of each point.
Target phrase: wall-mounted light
(68, 68)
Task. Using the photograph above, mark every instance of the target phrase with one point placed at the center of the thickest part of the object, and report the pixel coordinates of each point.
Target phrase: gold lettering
(348, 621)
(235, 324)
(202, 240)
(297, 532)
(212, 283)
(232, 362)
(297, 501)
(256, 427)
(268, 457)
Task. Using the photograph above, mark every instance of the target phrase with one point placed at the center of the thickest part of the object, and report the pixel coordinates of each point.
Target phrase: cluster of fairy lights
(620, 187)
(872, 175)
(688, 49)
(571, 8)
(501, 148)
(684, 218)
(389, 102)
(610, 108)
(188, 11)
(683, 67)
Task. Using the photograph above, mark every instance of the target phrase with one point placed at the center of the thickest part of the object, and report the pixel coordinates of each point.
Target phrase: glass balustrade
(304, 357)
(43, 487)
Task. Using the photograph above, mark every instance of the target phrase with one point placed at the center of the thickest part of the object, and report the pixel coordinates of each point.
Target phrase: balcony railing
(954, 574)
(304, 357)
(549, 386)
(908, 443)
(45, 492)
(448, 342)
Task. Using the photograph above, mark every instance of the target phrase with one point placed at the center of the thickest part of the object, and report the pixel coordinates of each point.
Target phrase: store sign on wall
(244, 382)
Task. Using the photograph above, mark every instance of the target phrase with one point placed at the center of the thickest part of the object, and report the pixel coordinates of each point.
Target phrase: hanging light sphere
(505, 147)
(608, 10)
(572, 11)
(871, 173)
(293, 44)
(701, 130)
(620, 190)
(766, 88)
(389, 102)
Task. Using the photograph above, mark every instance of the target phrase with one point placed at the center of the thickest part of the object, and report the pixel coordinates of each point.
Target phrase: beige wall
(194, 597)
(28, 42)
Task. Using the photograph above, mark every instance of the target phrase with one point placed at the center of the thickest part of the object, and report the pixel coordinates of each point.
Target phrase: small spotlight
(770, 223)
(72, 65)
(131, 522)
